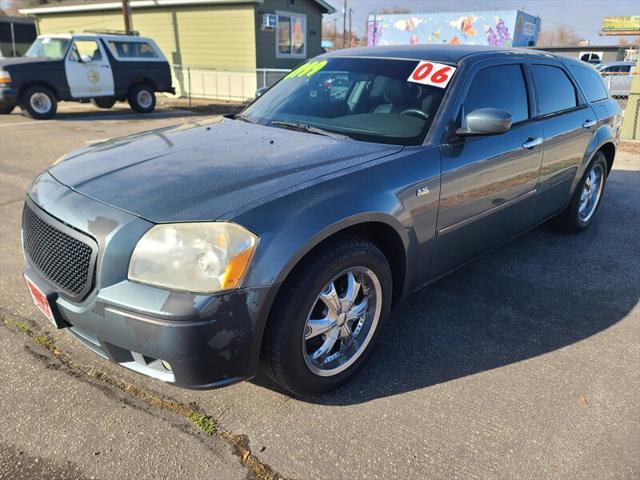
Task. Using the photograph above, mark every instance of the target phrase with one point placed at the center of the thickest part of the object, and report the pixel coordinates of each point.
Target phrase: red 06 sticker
(430, 73)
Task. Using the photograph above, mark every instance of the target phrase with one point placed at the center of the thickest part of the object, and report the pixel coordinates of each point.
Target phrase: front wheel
(39, 102)
(327, 317)
(585, 202)
(142, 99)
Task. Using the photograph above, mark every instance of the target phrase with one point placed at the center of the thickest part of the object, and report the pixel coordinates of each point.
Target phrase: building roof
(71, 6)
(437, 53)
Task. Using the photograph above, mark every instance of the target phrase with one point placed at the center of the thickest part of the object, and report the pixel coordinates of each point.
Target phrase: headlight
(5, 78)
(195, 257)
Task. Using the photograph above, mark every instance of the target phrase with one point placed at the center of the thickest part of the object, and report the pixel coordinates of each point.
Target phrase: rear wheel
(586, 199)
(105, 102)
(6, 109)
(39, 102)
(142, 98)
(327, 317)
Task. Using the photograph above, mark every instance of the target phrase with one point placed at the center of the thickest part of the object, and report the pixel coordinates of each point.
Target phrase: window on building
(590, 82)
(554, 91)
(132, 49)
(500, 87)
(291, 35)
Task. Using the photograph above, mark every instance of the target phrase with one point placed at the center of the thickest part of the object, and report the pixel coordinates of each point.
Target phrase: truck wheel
(105, 102)
(586, 199)
(142, 98)
(327, 317)
(6, 109)
(39, 102)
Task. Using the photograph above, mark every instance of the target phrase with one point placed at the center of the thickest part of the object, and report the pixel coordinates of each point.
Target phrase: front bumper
(8, 96)
(190, 340)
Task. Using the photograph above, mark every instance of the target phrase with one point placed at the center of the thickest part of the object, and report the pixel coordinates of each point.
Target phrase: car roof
(437, 53)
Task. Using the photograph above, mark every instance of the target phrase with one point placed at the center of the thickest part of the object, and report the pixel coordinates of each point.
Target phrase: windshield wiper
(244, 118)
(303, 127)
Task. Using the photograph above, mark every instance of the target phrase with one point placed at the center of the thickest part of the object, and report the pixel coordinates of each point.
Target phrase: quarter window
(591, 83)
(132, 49)
(554, 90)
(502, 87)
(291, 36)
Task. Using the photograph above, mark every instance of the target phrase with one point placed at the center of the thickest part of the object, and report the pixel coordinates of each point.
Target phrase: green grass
(203, 422)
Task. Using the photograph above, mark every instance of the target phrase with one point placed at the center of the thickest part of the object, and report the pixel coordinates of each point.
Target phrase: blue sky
(582, 16)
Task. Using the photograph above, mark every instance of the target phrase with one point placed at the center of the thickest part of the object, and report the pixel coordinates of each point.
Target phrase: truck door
(88, 70)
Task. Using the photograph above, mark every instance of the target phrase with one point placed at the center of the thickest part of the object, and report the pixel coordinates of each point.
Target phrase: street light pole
(126, 13)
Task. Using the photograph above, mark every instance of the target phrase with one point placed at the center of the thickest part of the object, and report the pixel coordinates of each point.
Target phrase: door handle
(532, 142)
(589, 124)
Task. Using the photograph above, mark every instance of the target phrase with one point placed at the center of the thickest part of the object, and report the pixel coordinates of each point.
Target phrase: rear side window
(590, 82)
(131, 50)
(502, 87)
(554, 90)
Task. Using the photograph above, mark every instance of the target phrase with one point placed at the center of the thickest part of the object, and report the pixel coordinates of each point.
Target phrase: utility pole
(350, 30)
(126, 13)
(344, 24)
(335, 33)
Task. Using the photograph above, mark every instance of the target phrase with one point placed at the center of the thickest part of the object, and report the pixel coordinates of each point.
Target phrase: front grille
(63, 255)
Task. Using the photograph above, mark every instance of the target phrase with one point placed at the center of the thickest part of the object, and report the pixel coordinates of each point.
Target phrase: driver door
(488, 181)
(88, 70)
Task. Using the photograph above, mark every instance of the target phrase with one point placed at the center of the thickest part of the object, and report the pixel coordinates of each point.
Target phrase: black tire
(39, 95)
(6, 109)
(137, 96)
(570, 220)
(282, 350)
(104, 102)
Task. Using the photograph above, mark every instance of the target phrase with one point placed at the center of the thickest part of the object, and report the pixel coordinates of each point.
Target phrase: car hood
(11, 62)
(200, 171)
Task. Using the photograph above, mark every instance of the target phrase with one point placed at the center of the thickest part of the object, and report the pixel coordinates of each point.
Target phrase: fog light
(166, 365)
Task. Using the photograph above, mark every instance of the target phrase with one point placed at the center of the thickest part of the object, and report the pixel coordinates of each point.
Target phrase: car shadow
(542, 292)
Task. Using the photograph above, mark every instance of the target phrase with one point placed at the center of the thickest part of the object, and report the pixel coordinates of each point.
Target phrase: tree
(394, 11)
(560, 36)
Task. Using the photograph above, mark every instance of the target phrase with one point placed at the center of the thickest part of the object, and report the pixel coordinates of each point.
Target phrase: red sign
(40, 299)
(430, 73)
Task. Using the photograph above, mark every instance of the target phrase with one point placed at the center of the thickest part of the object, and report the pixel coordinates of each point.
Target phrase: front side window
(132, 50)
(291, 36)
(361, 98)
(590, 82)
(502, 87)
(554, 90)
(85, 51)
(50, 48)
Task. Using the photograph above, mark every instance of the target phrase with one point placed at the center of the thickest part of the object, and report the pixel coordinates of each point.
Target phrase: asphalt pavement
(522, 365)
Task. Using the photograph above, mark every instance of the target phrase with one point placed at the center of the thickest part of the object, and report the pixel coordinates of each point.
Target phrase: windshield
(365, 99)
(53, 48)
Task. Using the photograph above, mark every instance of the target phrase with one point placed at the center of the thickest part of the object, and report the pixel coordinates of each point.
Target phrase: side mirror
(486, 121)
(260, 91)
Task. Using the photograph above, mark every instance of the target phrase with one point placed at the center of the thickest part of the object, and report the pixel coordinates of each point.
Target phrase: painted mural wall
(506, 28)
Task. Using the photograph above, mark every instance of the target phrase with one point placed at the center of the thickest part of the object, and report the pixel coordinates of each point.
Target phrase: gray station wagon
(282, 236)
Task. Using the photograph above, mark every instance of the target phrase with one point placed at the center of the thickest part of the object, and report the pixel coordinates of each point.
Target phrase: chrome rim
(40, 102)
(591, 192)
(144, 99)
(342, 321)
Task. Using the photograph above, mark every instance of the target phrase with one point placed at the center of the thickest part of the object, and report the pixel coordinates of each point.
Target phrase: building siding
(220, 37)
(266, 41)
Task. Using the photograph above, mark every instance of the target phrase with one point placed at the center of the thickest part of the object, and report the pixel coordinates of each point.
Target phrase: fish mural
(492, 28)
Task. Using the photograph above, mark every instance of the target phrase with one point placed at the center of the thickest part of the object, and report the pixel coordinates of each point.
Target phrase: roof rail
(112, 32)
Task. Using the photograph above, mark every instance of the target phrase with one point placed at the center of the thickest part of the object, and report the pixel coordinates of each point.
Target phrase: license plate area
(45, 303)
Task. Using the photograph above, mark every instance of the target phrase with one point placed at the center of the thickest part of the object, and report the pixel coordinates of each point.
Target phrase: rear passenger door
(488, 181)
(569, 124)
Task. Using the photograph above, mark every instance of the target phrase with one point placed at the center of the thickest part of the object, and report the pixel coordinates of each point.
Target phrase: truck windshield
(363, 98)
(51, 48)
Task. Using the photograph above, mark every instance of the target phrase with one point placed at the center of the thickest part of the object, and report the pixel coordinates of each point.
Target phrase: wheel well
(27, 86)
(609, 151)
(382, 236)
(143, 81)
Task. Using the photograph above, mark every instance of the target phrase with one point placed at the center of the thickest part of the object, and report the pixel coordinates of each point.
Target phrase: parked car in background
(84, 67)
(283, 235)
(617, 76)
